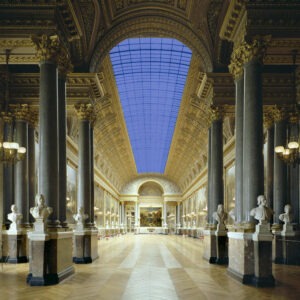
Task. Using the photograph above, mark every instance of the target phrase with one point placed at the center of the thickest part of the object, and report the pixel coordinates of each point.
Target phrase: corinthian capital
(85, 112)
(47, 47)
(21, 112)
(216, 113)
(256, 49)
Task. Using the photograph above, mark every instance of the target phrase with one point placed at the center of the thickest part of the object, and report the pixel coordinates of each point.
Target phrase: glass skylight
(150, 75)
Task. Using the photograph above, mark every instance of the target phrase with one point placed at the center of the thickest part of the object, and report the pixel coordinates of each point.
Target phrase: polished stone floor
(140, 267)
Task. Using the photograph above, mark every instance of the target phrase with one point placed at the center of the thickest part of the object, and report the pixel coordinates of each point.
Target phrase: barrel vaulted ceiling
(89, 29)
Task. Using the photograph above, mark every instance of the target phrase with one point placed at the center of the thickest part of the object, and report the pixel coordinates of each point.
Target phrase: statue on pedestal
(80, 217)
(220, 216)
(40, 212)
(263, 214)
(15, 218)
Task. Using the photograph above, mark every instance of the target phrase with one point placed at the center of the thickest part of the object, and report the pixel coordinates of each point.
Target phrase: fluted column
(85, 115)
(237, 71)
(21, 113)
(280, 168)
(253, 167)
(216, 164)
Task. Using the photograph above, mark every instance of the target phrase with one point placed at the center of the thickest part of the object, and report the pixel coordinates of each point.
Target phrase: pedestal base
(241, 256)
(50, 258)
(17, 247)
(263, 260)
(286, 250)
(222, 248)
(210, 249)
(85, 246)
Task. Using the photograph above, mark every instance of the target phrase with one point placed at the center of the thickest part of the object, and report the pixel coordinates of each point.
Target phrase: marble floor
(140, 267)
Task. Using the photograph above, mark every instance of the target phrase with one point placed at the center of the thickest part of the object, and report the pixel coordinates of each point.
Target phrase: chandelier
(289, 154)
(10, 151)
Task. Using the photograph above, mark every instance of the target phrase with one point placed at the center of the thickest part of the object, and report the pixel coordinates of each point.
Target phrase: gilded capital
(47, 47)
(278, 113)
(255, 49)
(7, 117)
(85, 112)
(294, 117)
(21, 112)
(216, 114)
(268, 120)
(236, 65)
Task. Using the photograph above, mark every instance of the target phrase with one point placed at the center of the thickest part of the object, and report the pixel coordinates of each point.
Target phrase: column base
(243, 278)
(210, 250)
(85, 246)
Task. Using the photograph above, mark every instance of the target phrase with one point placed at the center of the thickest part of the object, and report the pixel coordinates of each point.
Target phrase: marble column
(92, 174)
(31, 163)
(253, 167)
(280, 170)
(85, 234)
(136, 215)
(270, 165)
(48, 137)
(239, 117)
(209, 182)
(8, 172)
(48, 264)
(84, 113)
(62, 144)
(21, 167)
(216, 177)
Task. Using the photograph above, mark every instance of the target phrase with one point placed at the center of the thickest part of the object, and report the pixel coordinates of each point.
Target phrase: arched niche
(150, 189)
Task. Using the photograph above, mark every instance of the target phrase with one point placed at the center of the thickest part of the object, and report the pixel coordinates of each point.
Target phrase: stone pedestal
(286, 248)
(210, 249)
(17, 247)
(241, 256)
(50, 258)
(221, 247)
(85, 246)
(262, 259)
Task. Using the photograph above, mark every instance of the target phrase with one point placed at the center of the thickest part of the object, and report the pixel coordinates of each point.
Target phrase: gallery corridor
(140, 267)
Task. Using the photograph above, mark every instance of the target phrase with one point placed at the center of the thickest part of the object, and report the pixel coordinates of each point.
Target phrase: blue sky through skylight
(150, 75)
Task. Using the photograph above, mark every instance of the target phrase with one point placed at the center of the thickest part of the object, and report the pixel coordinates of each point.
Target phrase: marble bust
(287, 216)
(41, 210)
(80, 217)
(262, 212)
(14, 217)
(220, 216)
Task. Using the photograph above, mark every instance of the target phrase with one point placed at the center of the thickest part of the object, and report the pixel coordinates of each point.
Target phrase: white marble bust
(80, 217)
(220, 216)
(262, 213)
(41, 210)
(287, 216)
(14, 217)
